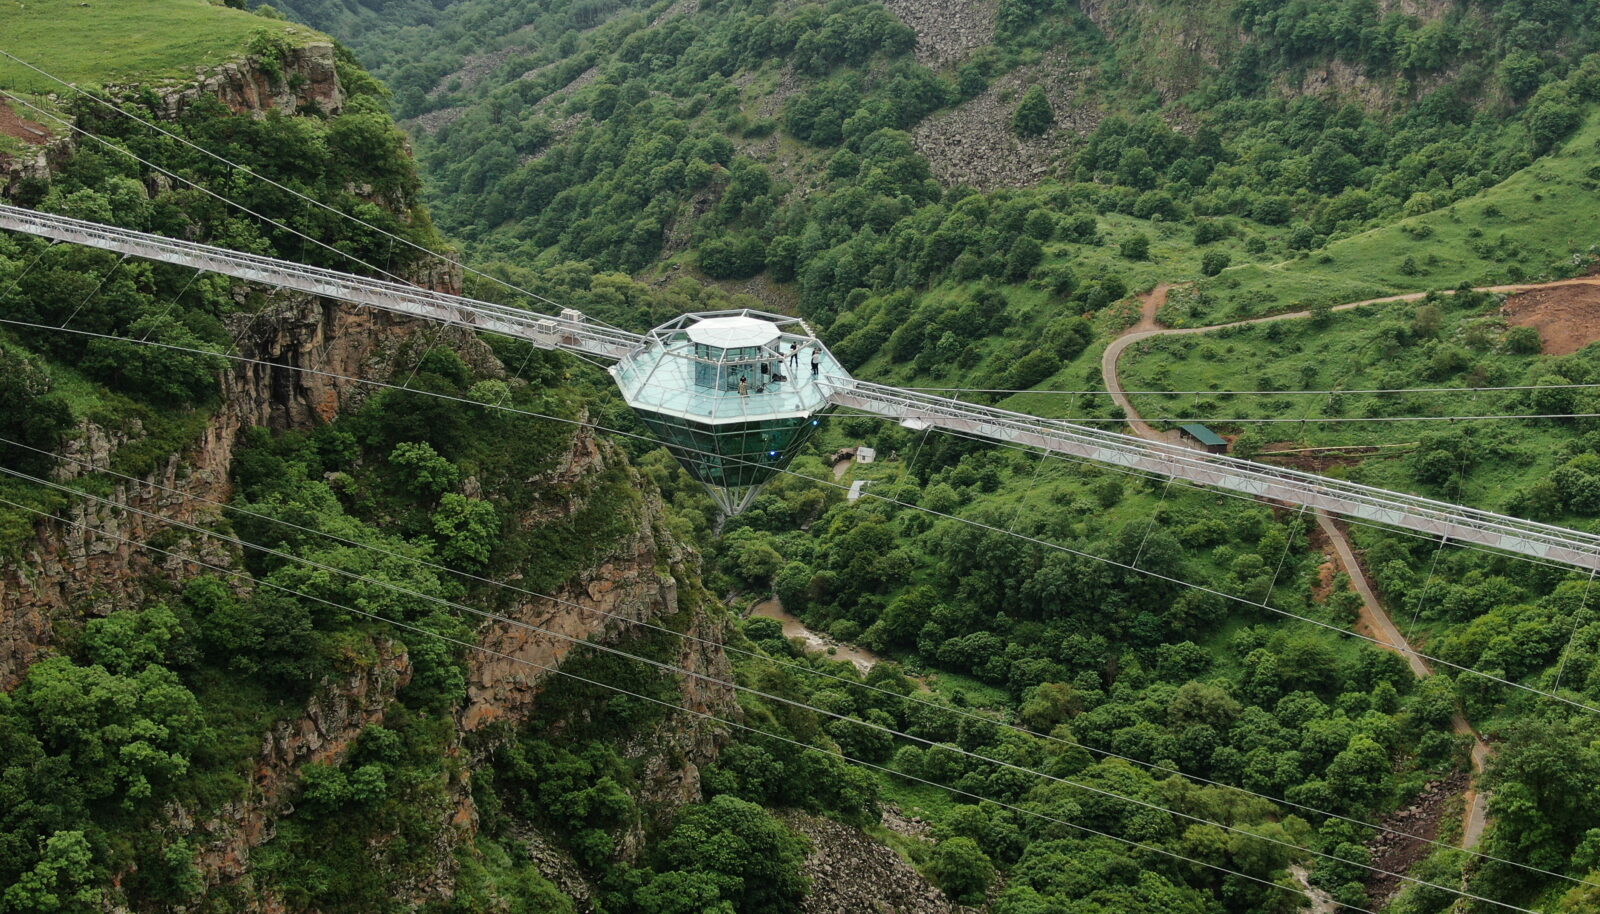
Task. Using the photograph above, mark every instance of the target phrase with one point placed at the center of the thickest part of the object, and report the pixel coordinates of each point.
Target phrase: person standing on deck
(816, 361)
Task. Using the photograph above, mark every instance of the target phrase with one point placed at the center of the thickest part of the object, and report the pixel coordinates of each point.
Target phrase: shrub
(1034, 115)
(733, 257)
(1524, 341)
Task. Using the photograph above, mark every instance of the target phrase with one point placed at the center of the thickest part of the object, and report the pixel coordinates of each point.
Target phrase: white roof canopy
(737, 332)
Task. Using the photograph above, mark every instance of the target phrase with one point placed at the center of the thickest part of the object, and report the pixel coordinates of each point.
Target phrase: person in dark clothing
(794, 355)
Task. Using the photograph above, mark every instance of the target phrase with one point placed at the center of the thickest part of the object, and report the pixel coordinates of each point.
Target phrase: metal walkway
(572, 332)
(1411, 512)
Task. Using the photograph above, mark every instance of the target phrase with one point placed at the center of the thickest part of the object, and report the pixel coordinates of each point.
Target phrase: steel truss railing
(1457, 523)
(569, 332)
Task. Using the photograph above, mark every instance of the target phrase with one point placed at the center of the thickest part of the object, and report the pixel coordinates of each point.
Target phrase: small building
(1208, 440)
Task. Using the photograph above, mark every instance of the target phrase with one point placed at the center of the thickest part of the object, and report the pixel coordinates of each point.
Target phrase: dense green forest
(1070, 720)
(782, 149)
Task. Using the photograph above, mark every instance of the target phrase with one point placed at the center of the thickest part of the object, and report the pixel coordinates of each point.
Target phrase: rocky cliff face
(303, 79)
(333, 719)
(302, 353)
(87, 564)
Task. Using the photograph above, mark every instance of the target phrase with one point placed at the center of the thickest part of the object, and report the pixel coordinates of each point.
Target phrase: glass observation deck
(732, 393)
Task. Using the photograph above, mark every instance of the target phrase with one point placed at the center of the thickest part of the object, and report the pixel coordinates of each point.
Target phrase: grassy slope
(1543, 227)
(1545, 211)
(1349, 353)
(121, 40)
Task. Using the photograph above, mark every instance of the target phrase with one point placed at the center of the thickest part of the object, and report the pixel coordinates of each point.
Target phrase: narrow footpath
(1374, 620)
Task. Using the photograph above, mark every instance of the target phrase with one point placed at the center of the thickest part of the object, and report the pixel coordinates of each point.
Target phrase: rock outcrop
(334, 717)
(303, 79)
(973, 143)
(853, 874)
(947, 30)
(86, 564)
(306, 353)
(635, 583)
(37, 152)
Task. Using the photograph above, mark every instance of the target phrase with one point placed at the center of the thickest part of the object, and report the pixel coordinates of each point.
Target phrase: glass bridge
(733, 394)
(722, 390)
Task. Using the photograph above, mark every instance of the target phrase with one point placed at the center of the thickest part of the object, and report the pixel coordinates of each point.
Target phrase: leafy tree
(1033, 115)
(126, 736)
(1361, 774)
(1214, 262)
(1552, 116)
(1025, 255)
(30, 413)
(1524, 341)
(1209, 230)
(682, 893)
(127, 641)
(733, 257)
(171, 377)
(753, 860)
(961, 869)
(1136, 247)
(62, 880)
(429, 473)
(1032, 369)
(1049, 704)
(468, 529)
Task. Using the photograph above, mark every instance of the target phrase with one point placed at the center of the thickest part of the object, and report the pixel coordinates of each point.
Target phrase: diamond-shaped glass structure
(733, 394)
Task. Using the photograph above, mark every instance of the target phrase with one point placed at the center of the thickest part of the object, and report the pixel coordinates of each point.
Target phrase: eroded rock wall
(304, 79)
(301, 355)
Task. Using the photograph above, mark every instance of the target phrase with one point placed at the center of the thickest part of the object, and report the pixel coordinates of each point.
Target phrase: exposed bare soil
(1398, 853)
(1567, 317)
(15, 125)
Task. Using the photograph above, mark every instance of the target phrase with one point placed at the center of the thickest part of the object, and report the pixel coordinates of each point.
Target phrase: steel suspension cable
(796, 667)
(285, 188)
(764, 695)
(960, 520)
(676, 707)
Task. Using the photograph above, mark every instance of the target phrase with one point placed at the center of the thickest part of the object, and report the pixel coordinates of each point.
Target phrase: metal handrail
(543, 330)
(1413, 512)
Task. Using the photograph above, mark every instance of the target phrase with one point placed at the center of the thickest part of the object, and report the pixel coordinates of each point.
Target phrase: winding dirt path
(1373, 618)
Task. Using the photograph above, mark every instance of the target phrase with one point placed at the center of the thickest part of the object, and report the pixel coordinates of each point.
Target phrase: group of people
(771, 374)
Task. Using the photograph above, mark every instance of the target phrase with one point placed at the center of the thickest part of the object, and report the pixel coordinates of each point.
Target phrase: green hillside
(1535, 226)
(974, 199)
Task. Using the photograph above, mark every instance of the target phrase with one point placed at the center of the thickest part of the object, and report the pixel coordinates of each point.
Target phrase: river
(794, 628)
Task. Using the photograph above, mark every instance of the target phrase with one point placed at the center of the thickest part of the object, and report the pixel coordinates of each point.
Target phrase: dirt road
(1373, 618)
